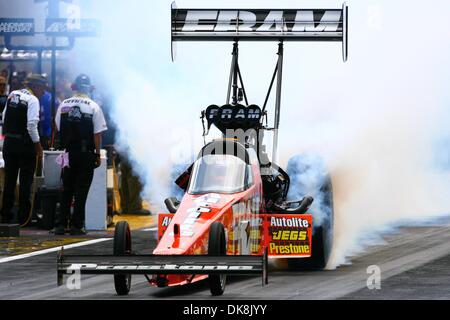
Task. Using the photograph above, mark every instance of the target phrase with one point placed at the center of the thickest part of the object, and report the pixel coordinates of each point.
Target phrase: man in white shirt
(21, 147)
(80, 122)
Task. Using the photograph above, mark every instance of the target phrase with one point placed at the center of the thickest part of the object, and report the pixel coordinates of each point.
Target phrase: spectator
(22, 147)
(16, 84)
(4, 73)
(3, 95)
(45, 123)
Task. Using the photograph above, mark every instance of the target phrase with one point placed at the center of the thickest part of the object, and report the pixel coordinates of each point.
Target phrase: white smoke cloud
(375, 120)
(309, 177)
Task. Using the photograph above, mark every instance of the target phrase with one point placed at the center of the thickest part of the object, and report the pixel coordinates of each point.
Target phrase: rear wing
(261, 25)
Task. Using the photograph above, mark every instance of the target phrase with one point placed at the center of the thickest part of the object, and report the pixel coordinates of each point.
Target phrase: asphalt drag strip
(413, 262)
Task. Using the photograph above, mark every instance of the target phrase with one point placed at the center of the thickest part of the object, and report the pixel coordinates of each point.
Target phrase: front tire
(122, 247)
(217, 247)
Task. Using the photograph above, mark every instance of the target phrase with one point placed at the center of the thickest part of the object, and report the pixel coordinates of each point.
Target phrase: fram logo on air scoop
(263, 21)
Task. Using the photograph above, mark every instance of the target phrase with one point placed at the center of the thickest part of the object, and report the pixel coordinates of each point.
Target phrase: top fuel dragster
(235, 213)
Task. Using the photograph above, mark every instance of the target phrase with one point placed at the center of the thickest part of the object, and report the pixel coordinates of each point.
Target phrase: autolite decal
(289, 222)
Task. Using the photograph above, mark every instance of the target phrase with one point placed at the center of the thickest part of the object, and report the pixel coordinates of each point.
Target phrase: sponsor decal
(75, 113)
(258, 21)
(72, 27)
(233, 116)
(96, 267)
(276, 249)
(289, 235)
(193, 214)
(229, 112)
(14, 99)
(65, 109)
(207, 199)
(16, 27)
(164, 220)
(246, 232)
(288, 222)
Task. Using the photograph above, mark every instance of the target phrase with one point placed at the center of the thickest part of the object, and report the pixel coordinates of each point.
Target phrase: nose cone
(188, 231)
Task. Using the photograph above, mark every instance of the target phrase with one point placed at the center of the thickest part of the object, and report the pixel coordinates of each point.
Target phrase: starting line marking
(40, 252)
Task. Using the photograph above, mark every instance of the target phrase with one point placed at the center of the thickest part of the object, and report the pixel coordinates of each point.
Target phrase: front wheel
(217, 247)
(122, 247)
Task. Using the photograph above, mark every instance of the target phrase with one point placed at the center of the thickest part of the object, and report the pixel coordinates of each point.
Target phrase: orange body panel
(248, 230)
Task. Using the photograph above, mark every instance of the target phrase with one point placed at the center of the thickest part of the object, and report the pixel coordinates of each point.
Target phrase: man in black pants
(21, 146)
(81, 123)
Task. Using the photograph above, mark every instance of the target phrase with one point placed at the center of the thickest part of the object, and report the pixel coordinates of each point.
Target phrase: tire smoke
(379, 121)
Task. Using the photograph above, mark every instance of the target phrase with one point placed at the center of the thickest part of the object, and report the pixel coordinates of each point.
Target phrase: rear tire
(322, 238)
(122, 247)
(319, 256)
(217, 247)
